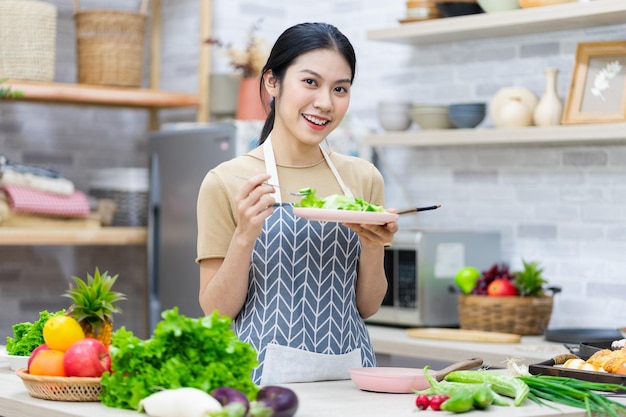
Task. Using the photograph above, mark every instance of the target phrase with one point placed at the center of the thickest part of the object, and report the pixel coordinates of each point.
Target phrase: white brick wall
(562, 206)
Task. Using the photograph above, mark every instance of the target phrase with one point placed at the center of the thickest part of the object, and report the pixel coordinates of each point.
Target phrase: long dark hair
(292, 43)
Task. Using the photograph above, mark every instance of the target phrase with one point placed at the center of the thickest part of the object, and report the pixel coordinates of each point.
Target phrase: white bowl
(394, 122)
(432, 118)
(15, 362)
(491, 6)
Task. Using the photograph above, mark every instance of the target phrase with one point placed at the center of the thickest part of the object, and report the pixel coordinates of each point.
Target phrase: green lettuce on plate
(336, 202)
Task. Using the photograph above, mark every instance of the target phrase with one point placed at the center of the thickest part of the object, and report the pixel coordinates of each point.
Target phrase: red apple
(35, 352)
(502, 287)
(87, 358)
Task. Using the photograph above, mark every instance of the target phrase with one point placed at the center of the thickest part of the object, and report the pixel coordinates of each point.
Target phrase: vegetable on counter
(28, 336)
(502, 384)
(336, 202)
(575, 393)
(201, 353)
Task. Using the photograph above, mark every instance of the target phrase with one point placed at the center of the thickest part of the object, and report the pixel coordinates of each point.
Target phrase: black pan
(576, 336)
(587, 349)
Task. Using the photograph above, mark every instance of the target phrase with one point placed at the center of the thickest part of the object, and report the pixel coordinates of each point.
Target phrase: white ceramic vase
(515, 113)
(550, 108)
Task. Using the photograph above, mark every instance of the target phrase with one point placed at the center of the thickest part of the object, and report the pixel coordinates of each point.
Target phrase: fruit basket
(518, 315)
(60, 388)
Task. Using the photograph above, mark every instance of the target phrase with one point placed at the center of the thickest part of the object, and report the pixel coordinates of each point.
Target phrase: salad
(335, 202)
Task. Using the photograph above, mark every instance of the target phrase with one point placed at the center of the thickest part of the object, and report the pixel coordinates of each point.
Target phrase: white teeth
(315, 120)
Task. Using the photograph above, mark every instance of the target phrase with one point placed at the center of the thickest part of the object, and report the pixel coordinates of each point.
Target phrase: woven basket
(109, 46)
(61, 388)
(27, 39)
(518, 315)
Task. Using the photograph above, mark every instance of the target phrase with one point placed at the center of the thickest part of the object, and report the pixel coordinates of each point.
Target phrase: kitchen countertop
(531, 350)
(328, 399)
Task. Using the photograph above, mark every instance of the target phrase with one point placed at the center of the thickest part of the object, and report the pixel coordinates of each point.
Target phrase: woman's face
(313, 97)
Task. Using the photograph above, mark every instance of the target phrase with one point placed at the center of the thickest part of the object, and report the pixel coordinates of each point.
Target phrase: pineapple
(530, 281)
(94, 305)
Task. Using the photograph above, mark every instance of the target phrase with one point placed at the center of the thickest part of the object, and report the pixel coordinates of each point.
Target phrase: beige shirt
(217, 213)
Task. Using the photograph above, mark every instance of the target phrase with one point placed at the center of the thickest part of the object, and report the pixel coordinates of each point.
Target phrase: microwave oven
(420, 266)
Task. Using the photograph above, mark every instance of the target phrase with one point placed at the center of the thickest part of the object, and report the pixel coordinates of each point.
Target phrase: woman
(297, 290)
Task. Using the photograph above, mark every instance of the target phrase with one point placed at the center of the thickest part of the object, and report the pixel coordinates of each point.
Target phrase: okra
(462, 401)
(483, 396)
(502, 384)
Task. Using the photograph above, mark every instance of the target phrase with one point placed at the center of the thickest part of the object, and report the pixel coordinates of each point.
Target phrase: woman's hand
(254, 205)
(373, 235)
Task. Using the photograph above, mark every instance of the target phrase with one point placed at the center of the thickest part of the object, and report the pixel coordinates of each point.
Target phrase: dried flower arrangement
(249, 61)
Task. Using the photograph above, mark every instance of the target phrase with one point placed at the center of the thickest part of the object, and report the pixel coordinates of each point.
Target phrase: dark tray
(549, 368)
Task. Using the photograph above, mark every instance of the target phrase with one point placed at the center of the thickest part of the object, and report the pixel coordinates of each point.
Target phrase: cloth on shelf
(58, 185)
(28, 200)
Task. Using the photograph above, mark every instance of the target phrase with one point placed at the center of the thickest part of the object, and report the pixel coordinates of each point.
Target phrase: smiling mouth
(315, 120)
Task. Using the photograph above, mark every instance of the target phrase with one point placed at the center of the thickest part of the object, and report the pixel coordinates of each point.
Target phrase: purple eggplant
(227, 395)
(283, 401)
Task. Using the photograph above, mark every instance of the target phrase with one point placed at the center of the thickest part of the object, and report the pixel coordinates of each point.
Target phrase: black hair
(292, 43)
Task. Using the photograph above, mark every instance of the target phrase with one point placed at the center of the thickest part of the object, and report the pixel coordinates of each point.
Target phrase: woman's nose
(323, 101)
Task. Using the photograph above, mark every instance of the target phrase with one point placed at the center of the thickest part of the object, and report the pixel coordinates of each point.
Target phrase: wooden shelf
(102, 96)
(595, 134)
(508, 23)
(102, 236)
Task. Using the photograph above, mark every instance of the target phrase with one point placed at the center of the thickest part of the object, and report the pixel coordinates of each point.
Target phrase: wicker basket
(27, 39)
(109, 46)
(59, 388)
(519, 315)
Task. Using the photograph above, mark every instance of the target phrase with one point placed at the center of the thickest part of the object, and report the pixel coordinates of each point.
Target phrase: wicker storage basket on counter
(518, 315)
(110, 46)
(27, 39)
(60, 388)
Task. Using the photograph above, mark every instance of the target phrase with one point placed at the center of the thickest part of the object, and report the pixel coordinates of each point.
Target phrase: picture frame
(597, 92)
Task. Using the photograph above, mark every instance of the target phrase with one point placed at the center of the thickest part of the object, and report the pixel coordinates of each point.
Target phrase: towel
(29, 200)
(58, 185)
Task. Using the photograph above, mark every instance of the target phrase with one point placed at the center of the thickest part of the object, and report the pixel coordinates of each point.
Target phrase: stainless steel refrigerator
(179, 160)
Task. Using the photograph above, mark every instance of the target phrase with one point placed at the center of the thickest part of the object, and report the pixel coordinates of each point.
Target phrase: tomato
(48, 363)
(422, 401)
(60, 332)
(502, 287)
(437, 400)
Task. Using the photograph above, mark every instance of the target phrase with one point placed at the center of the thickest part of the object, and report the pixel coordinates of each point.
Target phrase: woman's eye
(341, 89)
(310, 81)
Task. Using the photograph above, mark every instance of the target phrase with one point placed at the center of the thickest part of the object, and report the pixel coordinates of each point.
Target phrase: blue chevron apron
(300, 313)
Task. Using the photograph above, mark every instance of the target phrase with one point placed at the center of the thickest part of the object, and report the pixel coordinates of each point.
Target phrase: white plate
(345, 216)
(15, 362)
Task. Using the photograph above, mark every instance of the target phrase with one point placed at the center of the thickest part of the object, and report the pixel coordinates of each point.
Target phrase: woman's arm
(371, 284)
(224, 281)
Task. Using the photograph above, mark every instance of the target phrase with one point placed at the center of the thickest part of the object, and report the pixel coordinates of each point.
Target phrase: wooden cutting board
(463, 335)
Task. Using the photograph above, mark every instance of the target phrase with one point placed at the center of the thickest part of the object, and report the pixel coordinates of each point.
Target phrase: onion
(282, 400)
(227, 395)
(179, 402)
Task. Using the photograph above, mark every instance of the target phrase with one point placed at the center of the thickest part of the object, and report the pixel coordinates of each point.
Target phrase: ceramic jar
(550, 108)
(515, 113)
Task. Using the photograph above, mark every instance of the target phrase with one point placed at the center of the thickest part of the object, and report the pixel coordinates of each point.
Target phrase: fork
(298, 194)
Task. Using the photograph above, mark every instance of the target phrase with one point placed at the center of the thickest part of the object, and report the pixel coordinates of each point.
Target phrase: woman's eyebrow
(308, 71)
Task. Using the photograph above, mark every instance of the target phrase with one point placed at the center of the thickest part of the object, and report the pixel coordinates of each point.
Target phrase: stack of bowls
(491, 6)
(467, 115)
(417, 10)
(394, 115)
(452, 8)
(431, 116)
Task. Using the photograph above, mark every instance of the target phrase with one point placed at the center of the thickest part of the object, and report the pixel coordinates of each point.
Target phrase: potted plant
(6, 92)
(248, 62)
(506, 301)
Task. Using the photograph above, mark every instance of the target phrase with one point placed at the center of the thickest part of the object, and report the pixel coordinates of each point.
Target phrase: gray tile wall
(562, 206)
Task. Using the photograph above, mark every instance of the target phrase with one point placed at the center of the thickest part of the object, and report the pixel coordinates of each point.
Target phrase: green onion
(574, 393)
